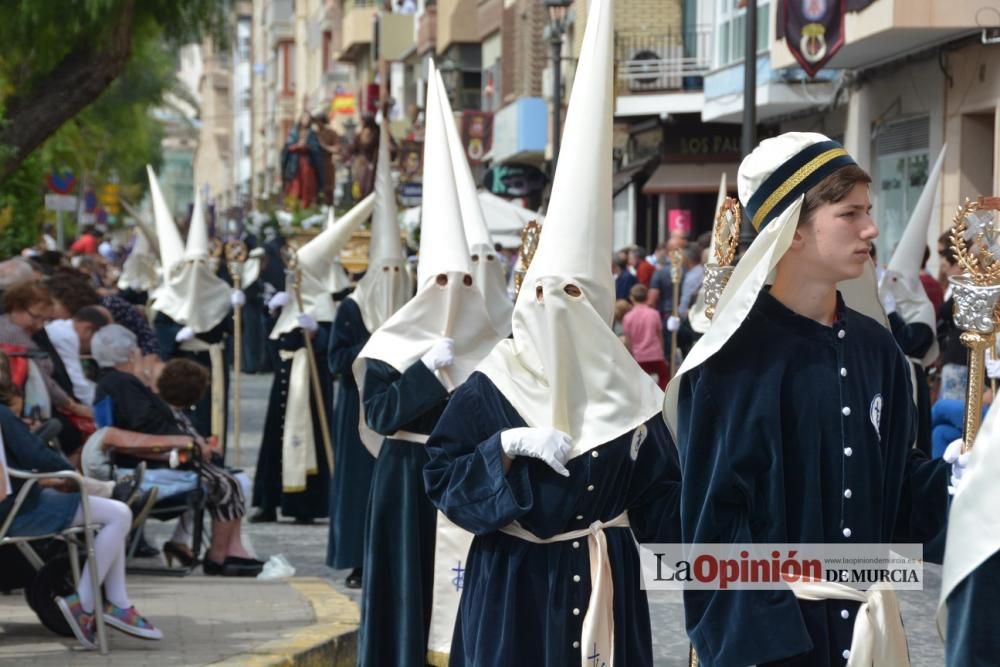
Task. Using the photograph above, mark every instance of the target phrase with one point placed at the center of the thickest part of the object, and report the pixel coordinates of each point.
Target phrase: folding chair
(71, 536)
(168, 506)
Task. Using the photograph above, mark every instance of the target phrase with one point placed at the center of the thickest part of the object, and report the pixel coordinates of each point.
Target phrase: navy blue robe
(517, 596)
(166, 330)
(974, 617)
(915, 340)
(795, 432)
(267, 491)
(353, 464)
(401, 522)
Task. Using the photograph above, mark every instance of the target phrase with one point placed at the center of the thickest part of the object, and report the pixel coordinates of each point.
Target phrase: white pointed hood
(789, 164)
(564, 367)
(386, 284)
(140, 271)
(192, 293)
(168, 237)
(487, 271)
(902, 277)
(447, 303)
(322, 273)
(696, 315)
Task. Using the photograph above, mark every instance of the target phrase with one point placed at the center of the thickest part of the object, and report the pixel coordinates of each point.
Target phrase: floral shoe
(130, 622)
(80, 622)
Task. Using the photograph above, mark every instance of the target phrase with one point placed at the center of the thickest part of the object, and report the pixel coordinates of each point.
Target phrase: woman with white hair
(125, 402)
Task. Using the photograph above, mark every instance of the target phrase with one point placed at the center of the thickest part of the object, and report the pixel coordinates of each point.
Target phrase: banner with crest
(813, 30)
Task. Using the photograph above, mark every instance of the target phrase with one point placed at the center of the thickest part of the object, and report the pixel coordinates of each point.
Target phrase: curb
(332, 641)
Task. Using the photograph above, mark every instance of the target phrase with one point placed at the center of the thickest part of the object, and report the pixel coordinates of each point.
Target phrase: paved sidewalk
(205, 620)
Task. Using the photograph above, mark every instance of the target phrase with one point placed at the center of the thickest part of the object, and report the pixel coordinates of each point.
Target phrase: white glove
(307, 322)
(992, 365)
(278, 301)
(673, 323)
(888, 302)
(238, 298)
(546, 444)
(441, 354)
(185, 334)
(953, 455)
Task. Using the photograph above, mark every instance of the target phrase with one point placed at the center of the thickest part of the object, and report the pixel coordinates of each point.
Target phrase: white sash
(451, 552)
(879, 637)
(298, 448)
(599, 622)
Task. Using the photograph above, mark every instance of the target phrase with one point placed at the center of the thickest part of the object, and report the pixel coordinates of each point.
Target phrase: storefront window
(900, 176)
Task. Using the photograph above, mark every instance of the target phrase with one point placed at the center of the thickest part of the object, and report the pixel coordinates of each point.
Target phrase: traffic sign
(57, 202)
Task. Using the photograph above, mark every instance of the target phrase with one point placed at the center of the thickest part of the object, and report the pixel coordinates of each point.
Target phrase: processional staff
(236, 255)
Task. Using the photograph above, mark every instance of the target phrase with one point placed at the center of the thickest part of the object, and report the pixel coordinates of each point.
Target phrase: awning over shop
(680, 177)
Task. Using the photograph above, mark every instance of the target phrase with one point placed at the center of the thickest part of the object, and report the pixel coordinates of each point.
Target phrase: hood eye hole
(572, 290)
(538, 293)
(475, 258)
(441, 279)
(467, 280)
(491, 258)
(396, 269)
(385, 269)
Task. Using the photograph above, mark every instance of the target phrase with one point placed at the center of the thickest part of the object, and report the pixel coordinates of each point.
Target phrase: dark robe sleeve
(464, 477)
(347, 338)
(393, 400)
(913, 339)
(654, 512)
(728, 453)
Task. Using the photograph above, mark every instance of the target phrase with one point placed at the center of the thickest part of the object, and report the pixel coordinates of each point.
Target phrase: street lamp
(557, 28)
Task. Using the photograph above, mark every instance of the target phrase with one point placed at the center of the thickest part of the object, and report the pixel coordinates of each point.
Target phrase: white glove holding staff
(545, 444)
(278, 301)
(184, 335)
(959, 461)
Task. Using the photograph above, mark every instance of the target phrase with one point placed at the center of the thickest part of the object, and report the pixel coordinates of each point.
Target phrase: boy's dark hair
(182, 382)
(948, 253)
(638, 293)
(832, 189)
(95, 316)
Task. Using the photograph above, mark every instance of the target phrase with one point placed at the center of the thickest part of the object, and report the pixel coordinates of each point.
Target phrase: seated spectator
(71, 291)
(71, 339)
(27, 308)
(134, 407)
(645, 336)
(46, 510)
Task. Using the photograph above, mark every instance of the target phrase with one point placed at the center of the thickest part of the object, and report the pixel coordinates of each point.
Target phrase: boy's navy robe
(795, 432)
(267, 491)
(398, 573)
(518, 597)
(353, 464)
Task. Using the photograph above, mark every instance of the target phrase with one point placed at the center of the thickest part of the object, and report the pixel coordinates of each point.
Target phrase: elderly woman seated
(133, 407)
(48, 510)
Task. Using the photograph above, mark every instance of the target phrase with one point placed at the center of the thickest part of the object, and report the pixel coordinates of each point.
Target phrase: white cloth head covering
(139, 272)
(192, 293)
(387, 284)
(322, 273)
(902, 277)
(113, 344)
(453, 310)
(168, 237)
(696, 315)
(564, 367)
(772, 182)
(487, 272)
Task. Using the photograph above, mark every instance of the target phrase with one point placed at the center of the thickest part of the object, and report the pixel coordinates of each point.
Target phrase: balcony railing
(671, 61)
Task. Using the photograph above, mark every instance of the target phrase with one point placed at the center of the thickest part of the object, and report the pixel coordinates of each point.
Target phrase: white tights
(115, 518)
